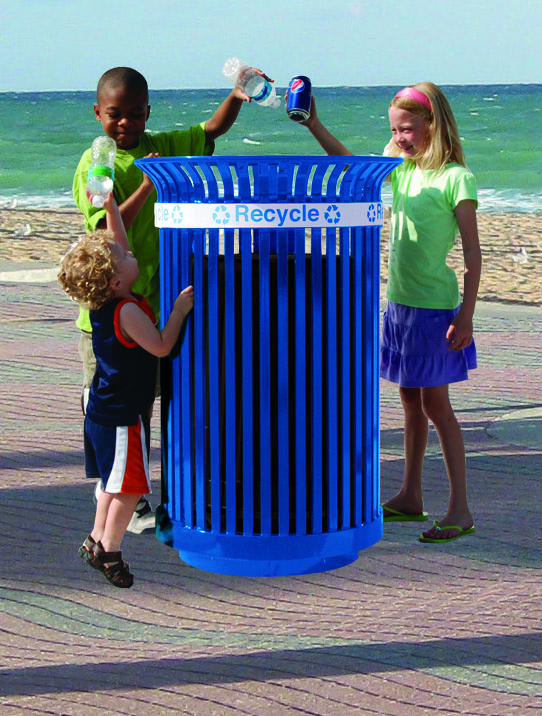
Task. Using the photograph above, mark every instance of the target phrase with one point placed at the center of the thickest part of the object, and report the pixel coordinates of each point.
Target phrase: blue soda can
(299, 98)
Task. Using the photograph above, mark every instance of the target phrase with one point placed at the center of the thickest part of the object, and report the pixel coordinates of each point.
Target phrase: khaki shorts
(88, 359)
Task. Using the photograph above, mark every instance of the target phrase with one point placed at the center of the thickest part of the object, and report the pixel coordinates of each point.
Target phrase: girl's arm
(325, 139)
(460, 331)
(137, 326)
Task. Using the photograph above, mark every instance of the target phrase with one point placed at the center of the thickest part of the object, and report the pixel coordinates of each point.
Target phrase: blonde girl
(427, 335)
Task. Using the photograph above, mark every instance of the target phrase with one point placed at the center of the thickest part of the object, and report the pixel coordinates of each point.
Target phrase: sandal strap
(114, 568)
(392, 511)
(87, 552)
(89, 544)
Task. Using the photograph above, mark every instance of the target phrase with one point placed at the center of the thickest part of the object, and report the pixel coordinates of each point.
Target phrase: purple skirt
(414, 350)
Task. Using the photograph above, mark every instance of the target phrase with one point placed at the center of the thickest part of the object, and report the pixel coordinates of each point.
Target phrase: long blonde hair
(87, 269)
(443, 143)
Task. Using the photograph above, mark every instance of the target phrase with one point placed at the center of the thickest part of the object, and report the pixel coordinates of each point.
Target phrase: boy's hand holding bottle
(250, 83)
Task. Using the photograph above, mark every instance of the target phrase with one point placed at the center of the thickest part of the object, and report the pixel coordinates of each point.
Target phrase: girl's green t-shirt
(423, 231)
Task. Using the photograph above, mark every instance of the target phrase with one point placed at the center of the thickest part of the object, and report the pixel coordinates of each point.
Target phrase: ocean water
(44, 135)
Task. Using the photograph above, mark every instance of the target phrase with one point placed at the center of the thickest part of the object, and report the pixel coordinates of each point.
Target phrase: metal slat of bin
(265, 387)
(247, 384)
(300, 384)
(332, 364)
(230, 407)
(345, 457)
(299, 188)
(277, 471)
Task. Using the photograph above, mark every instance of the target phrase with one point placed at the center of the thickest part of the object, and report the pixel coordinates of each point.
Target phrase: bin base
(238, 567)
(266, 556)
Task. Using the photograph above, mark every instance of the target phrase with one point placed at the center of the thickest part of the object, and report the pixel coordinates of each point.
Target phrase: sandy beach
(511, 247)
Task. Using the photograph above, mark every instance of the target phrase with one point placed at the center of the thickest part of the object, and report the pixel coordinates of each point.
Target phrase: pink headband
(416, 95)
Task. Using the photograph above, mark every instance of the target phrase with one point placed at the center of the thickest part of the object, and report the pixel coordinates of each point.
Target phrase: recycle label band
(268, 216)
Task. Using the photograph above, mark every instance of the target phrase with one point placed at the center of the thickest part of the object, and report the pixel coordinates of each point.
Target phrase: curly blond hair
(87, 269)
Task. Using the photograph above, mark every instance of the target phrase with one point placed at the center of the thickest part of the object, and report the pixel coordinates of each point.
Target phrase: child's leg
(109, 523)
(102, 508)
(409, 499)
(119, 510)
(437, 407)
(113, 513)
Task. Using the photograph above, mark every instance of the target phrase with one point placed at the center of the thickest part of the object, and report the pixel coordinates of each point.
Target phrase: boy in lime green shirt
(123, 109)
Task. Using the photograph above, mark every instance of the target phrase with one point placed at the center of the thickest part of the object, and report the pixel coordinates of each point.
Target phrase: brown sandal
(86, 552)
(114, 568)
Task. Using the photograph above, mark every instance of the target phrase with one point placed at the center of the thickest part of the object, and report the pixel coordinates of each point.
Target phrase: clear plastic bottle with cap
(102, 169)
(253, 84)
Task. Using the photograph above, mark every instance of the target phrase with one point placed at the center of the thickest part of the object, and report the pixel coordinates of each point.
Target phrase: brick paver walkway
(407, 630)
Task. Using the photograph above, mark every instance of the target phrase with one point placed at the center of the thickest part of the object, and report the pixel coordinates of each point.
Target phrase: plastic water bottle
(102, 169)
(256, 86)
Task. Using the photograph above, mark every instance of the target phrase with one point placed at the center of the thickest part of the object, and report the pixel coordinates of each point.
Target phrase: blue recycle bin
(270, 402)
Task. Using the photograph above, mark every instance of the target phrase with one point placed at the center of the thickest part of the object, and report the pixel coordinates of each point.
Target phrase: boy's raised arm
(224, 117)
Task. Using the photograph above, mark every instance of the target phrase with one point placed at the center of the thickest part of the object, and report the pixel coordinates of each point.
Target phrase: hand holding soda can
(299, 98)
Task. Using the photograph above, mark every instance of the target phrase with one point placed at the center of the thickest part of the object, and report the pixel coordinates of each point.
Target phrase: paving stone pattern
(409, 629)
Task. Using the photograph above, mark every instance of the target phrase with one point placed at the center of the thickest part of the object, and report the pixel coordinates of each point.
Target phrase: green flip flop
(462, 533)
(397, 516)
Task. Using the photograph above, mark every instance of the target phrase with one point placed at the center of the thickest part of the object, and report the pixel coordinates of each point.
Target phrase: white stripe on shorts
(118, 471)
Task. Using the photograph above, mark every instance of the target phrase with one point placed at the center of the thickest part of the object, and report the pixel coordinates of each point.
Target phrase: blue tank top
(124, 384)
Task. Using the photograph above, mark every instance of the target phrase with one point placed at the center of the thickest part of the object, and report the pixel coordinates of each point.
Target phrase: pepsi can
(299, 98)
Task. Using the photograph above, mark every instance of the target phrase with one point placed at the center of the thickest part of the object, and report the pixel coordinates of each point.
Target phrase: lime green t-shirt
(423, 231)
(143, 236)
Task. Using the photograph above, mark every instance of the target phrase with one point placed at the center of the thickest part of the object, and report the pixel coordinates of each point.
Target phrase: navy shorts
(119, 456)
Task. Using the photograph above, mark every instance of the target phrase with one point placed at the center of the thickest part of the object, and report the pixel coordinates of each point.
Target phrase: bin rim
(330, 159)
